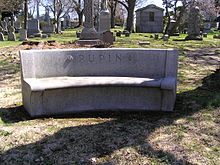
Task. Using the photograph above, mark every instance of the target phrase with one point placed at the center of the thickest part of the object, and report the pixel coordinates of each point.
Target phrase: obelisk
(89, 32)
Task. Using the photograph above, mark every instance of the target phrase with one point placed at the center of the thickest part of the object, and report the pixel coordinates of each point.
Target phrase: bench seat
(41, 84)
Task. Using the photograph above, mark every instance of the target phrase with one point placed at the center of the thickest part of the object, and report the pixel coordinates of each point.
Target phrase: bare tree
(59, 8)
(129, 5)
(78, 7)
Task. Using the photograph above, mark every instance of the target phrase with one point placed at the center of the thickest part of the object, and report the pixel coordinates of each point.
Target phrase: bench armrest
(169, 83)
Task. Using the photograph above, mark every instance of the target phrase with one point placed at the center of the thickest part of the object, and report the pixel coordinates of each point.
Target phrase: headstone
(78, 34)
(48, 29)
(118, 34)
(166, 37)
(216, 36)
(2, 38)
(108, 37)
(37, 35)
(207, 27)
(104, 18)
(44, 36)
(156, 36)
(33, 27)
(11, 33)
(23, 34)
(144, 43)
(205, 35)
(193, 23)
(127, 34)
(124, 31)
(89, 32)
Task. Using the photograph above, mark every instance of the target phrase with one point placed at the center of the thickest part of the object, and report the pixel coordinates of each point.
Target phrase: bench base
(79, 99)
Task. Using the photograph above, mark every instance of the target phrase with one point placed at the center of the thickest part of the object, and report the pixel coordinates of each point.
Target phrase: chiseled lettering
(81, 58)
(71, 58)
(91, 58)
(109, 58)
(101, 57)
(118, 58)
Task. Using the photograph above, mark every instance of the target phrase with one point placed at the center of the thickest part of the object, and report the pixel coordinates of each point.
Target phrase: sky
(156, 2)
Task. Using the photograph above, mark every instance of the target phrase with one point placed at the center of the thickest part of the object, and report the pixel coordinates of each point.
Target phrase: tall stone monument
(193, 23)
(89, 32)
(104, 18)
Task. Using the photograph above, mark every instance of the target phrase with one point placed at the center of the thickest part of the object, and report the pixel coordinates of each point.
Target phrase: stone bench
(66, 81)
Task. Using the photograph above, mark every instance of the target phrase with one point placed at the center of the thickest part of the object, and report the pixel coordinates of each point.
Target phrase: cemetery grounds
(189, 135)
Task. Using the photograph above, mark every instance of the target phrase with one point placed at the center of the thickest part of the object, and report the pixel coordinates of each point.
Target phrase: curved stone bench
(66, 81)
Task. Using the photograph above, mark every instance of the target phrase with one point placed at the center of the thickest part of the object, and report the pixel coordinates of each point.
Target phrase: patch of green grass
(1, 121)
(9, 43)
(5, 133)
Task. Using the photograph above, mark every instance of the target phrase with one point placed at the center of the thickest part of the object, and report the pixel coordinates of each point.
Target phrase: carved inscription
(92, 58)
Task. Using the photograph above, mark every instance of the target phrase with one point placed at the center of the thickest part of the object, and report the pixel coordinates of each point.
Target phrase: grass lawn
(189, 135)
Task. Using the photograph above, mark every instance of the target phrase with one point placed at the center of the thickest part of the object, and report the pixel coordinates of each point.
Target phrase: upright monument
(104, 18)
(89, 32)
(193, 23)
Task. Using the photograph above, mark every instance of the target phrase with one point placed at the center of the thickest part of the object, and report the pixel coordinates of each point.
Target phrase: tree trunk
(178, 20)
(112, 16)
(25, 14)
(130, 18)
(57, 25)
(80, 16)
(168, 21)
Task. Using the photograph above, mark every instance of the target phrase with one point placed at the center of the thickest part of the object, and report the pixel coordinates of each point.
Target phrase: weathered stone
(216, 36)
(118, 34)
(33, 27)
(48, 29)
(205, 35)
(89, 42)
(78, 34)
(193, 23)
(65, 81)
(156, 36)
(89, 32)
(11, 33)
(31, 36)
(38, 35)
(104, 18)
(166, 37)
(44, 36)
(108, 37)
(23, 34)
(144, 43)
(127, 34)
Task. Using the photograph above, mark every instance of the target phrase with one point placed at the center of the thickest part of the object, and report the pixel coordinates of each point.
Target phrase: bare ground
(190, 135)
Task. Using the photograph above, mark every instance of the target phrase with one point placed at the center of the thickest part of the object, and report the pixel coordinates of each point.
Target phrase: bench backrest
(154, 63)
